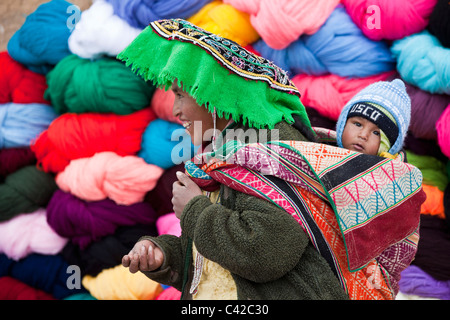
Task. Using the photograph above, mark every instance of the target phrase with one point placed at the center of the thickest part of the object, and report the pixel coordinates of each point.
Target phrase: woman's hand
(183, 191)
(145, 256)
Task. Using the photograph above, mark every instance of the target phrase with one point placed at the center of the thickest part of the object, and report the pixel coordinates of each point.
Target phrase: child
(376, 120)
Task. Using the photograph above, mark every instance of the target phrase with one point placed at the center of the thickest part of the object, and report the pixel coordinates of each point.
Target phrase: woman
(233, 246)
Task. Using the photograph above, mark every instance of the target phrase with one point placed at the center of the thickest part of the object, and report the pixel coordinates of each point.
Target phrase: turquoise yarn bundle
(423, 61)
(166, 144)
(339, 47)
(42, 41)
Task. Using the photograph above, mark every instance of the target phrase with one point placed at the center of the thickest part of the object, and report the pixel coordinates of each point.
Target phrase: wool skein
(85, 222)
(49, 273)
(225, 21)
(29, 233)
(417, 282)
(25, 191)
(423, 102)
(392, 20)
(100, 32)
(73, 136)
(288, 19)
(434, 203)
(21, 124)
(162, 104)
(423, 62)
(443, 131)
(104, 85)
(41, 42)
(168, 224)
(328, 94)
(12, 159)
(139, 13)
(339, 47)
(13, 289)
(119, 283)
(166, 144)
(125, 180)
(19, 84)
(433, 170)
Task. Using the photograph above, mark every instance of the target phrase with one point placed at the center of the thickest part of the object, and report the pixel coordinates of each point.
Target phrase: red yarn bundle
(13, 289)
(12, 159)
(19, 84)
(73, 136)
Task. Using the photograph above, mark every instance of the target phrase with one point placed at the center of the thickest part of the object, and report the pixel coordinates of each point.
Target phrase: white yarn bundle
(100, 32)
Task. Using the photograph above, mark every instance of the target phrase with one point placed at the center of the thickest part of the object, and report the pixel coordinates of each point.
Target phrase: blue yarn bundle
(338, 47)
(166, 144)
(139, 13)
(42, 41)
(49, 273)
(423, 61)
(21, 123)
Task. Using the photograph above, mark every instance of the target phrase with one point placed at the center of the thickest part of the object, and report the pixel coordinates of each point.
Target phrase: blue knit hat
(386, 104)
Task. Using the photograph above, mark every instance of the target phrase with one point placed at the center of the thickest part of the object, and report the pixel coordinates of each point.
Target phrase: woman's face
(196, 119)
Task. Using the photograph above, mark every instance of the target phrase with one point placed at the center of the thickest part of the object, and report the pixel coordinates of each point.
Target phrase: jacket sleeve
(256, 239)
(171, 271)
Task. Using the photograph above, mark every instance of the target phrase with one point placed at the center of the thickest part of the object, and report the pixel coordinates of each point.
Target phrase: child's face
(196, 119)
(361, 135)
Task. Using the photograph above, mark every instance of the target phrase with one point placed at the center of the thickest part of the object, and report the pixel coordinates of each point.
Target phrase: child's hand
(183, 190)
(145, 256)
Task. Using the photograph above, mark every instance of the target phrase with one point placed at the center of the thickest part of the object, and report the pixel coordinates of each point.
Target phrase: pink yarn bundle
(29, 233)
(169, 294)
(168, 224)
(387, 19)
(123, 179)
(443, 131)
(328, 94)
(281, 22)
(162, 104)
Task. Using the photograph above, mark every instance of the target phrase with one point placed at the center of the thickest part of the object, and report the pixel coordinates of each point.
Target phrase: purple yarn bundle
(85, 222)
(139, 13)
(415, 281)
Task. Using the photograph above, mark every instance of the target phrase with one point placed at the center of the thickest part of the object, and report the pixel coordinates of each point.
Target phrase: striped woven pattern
(361, 212)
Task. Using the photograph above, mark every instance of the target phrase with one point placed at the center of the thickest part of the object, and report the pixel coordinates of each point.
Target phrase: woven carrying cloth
(217, 72)
(361, 212)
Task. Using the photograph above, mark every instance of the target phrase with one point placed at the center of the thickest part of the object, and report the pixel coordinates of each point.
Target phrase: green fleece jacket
(266, 251)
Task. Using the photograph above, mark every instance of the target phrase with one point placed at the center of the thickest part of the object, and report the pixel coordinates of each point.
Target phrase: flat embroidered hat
(387, 104)
(217, 72)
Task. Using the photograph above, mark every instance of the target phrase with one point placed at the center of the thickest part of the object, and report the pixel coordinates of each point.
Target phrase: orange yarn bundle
(225, 21)
(125, 180)
(434, 204)
(73, 136)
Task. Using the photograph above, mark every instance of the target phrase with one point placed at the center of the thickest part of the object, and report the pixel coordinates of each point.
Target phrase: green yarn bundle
(25, 191)
(433, 170)
(79, 85)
